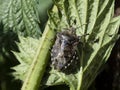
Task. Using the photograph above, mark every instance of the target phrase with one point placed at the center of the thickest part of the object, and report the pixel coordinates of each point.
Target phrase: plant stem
(38, 66)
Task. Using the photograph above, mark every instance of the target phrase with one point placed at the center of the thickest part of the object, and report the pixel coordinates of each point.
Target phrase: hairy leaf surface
(21, 17)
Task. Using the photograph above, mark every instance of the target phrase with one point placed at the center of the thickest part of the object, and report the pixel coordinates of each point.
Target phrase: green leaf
(27, 50)
(21, 17)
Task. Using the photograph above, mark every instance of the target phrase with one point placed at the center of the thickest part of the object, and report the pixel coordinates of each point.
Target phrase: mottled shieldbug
(63, 53)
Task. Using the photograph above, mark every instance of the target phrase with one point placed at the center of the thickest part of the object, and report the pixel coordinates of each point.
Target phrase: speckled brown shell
(63, 53)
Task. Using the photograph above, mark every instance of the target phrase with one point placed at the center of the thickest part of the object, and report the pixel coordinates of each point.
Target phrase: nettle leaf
(27, 50)
(21, 17)
(94, 17)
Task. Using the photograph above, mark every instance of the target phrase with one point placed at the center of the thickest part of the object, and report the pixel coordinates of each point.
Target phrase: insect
(63, 54)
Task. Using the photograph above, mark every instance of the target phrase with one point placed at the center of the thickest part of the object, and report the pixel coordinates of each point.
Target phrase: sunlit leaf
(21, 17)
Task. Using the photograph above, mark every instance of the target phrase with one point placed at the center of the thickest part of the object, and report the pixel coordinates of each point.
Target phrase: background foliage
(22, 24)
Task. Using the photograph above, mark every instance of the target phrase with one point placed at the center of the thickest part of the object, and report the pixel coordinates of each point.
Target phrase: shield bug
(63, 54)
